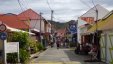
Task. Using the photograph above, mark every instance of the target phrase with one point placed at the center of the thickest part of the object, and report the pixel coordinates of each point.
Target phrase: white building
(89, 18)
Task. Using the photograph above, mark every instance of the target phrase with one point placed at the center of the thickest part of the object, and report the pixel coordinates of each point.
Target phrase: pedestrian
(58, 42)
(67, 42)
(51, 42)
(63, 42)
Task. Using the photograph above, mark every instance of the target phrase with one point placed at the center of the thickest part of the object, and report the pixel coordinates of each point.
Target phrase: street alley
(61, 56)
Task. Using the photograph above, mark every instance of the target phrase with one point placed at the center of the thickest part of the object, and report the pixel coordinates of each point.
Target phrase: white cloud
(64, 9)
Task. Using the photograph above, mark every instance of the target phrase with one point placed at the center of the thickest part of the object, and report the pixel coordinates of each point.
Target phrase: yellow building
(106, 41)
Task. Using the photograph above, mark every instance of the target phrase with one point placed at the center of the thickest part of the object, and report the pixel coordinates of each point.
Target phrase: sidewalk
(61, 56)
(35, 55)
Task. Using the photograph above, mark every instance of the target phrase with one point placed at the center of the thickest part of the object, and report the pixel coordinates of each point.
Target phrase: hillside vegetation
(59, 25)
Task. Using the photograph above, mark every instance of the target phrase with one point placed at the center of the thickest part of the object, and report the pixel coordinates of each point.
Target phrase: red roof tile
(13, 21)
(1, 14)
(29, 14)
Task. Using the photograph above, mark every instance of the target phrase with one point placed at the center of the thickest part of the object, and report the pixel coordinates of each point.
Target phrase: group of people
(60, 42)
(91, 49)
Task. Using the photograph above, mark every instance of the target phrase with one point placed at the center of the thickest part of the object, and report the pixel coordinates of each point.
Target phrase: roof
(49, 24)
(109, 24)
(13, 21)
(1, 14)
(98, 26)
(103, 24)
(35, 30)
(29, 14)
(17, 30)
(91, 13)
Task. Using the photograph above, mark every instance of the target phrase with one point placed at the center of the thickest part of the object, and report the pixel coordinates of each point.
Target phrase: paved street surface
(60, 56)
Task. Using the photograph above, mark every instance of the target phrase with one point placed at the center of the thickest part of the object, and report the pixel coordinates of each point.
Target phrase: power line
(96, 15)
(52, 11)
(28, 13)
(24, 14)
(94, 4)
(98, 57)
(49, 5)
(25, 4)
(21, 10)
(89, 5)
(85, 3)
(20, 5)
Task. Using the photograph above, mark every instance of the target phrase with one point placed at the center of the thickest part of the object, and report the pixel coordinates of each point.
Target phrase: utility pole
(52, 20)
(40, 28)
(96, 11)
(52, 33)
(97, 34)
(96, 19)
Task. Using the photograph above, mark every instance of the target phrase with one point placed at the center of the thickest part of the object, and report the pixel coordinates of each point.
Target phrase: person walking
(67, 42)
(58, 42)
(52, 42)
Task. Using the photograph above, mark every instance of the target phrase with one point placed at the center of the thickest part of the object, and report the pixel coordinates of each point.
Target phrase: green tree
(22, 38)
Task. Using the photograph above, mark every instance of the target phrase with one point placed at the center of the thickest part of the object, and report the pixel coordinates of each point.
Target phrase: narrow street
(32, 30)
(61, 56)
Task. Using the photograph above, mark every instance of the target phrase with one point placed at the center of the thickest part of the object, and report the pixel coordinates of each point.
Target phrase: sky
(64, 10)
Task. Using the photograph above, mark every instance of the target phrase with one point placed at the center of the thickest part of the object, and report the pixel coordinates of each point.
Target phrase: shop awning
(36, 30)
(104, 24)
(99, 25)
(17, 30)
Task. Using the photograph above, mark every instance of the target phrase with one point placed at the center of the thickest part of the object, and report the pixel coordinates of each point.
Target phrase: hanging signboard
(89, 20)
(73, 29)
